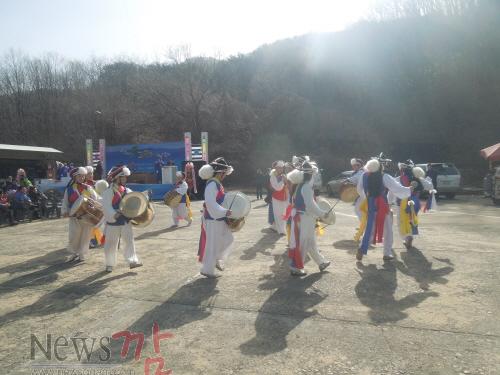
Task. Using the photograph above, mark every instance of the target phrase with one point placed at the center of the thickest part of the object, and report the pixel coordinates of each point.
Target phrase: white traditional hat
(118, 171)
(372, 166)
(82, 171)
(216, 166)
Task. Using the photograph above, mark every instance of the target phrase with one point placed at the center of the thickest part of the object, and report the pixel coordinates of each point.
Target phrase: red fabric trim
(117, 197)
(280, 195)
(202, 244)
(295, 252)
(288, 212)
(382, 211)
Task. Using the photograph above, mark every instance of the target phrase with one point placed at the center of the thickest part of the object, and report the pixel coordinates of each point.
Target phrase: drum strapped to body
(326, 206)
(136, 207)
(240, 206)
(348, 192)
(88, 210)
(172, 198)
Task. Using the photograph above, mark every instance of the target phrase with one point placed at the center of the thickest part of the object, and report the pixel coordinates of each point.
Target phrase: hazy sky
(146, 28)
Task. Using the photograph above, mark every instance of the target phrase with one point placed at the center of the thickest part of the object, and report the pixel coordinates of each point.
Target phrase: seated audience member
(21, 203)
(10, 184)
(39, 202)
(22, 179)
(5, 209)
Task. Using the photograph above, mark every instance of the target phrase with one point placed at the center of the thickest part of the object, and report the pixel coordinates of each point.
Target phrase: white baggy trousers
(279, 210)
(308, 245)
(122, 234)
(180, 213)
(80, 233)
(218, 246)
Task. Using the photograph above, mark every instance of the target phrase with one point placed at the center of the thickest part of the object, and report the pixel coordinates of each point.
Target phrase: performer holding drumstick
(357, 172)
(304, 214)
(80, 231)
(183, 210)
(216, 238)
(118, 227)
(280, 201)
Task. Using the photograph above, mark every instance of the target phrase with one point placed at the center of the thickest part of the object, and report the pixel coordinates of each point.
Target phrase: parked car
(333, 186)
(448, 178)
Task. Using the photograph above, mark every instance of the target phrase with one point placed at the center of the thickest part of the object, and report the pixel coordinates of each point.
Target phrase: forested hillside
(415, 82)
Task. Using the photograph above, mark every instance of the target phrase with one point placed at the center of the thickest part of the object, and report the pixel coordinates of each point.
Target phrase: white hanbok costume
(216, 238)
(354, 179)
(181, 211)
(305, 211)
(411, 226)
(280, 201)
(375, 230)
(118, 230)
(79, 231)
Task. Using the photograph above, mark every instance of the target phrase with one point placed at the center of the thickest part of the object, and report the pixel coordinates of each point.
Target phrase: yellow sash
(407, 219)
(364, 219)
(188, 207)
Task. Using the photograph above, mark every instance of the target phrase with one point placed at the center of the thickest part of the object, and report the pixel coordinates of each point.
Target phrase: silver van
(449, 179)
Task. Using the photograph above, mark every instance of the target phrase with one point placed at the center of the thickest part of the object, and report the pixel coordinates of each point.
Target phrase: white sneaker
(296, 272)
(190, 221)
(109, 269)
(219, 265)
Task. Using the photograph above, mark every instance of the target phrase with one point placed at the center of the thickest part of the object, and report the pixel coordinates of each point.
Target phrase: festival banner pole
(187, 146)
(102, 154)
(204, 146)
(89, 149)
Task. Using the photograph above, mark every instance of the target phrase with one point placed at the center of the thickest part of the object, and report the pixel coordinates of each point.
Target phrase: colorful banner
(89, 149)
(187, 146)
(102, 153)
(204, 146)
(146, 158)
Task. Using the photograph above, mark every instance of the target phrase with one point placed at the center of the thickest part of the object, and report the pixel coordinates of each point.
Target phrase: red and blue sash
(378, 208)
(294, 252)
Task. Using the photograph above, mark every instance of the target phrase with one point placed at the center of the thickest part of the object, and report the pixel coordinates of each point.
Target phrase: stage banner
(204, 146)
(102, 153)
(146, 158)
(90, 150)
(187, 146)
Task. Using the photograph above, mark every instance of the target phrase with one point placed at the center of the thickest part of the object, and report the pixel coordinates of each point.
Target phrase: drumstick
(231, 205)
(331, 209)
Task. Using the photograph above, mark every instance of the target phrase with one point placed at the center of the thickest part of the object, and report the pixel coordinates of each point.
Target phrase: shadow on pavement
(54, 257)
(260, 206)
(64, 298)
(284, 310)
(195, 299)
(416, 265)
(37, 278)
(376, 290)
(350, 245)
(266, 242)
(158, 232)
(280, 273)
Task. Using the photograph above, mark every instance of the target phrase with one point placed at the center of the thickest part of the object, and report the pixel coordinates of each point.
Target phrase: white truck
(54, 191)
(46, 184)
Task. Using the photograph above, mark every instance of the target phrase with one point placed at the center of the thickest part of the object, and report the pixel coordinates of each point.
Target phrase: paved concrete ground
(432, 311)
